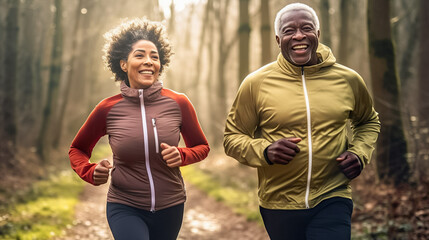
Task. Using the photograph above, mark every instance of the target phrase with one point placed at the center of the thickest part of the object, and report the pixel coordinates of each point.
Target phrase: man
(289, 121)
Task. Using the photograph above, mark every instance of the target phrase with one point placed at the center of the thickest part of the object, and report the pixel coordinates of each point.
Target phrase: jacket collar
(149, 94)
(324, 54)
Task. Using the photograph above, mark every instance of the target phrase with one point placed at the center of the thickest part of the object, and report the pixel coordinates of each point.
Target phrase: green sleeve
(242, 121)
(364, 122)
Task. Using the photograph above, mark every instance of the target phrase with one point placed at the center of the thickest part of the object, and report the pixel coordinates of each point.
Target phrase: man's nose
(299, 35)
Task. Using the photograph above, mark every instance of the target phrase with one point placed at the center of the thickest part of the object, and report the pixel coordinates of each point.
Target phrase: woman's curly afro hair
(120, 41)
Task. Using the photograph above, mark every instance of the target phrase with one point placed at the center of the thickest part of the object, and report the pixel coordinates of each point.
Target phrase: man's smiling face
(298, 38)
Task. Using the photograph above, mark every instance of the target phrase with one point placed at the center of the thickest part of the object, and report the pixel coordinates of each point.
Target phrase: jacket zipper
(310, 147)
(155, 133)
(146, 150)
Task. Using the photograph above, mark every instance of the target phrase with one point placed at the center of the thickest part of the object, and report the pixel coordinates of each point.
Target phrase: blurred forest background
(52, 76)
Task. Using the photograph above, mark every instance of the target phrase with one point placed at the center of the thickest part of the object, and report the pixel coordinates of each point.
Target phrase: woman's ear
(123, 64)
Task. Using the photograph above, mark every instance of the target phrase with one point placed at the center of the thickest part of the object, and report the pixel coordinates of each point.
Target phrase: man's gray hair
(295, 7)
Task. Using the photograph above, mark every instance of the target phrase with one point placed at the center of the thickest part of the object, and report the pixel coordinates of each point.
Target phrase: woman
(146, 195)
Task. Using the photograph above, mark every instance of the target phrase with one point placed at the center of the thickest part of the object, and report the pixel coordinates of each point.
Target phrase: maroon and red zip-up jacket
(137, 121)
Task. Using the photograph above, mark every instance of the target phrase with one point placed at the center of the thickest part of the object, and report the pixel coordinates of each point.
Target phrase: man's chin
(301, 61)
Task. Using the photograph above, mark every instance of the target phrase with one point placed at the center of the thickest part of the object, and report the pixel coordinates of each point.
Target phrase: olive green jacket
(313, 103)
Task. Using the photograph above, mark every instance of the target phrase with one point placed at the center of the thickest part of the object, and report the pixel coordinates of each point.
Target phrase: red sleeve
(87, 137)
(197, 147)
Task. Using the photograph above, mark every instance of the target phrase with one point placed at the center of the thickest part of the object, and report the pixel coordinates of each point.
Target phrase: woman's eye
(155, 57)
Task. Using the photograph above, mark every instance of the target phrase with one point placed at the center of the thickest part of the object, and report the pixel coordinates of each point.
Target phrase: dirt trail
(90, 219)
(204, 219)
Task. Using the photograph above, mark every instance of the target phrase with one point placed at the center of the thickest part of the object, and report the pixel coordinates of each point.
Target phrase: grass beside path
(228, 182)
(48, 207)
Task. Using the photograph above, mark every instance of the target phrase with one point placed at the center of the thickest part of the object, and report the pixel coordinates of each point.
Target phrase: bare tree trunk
(27, 132)
(44, 145)
(406, 33)
(325, 22)
(151, 9)
(423, 83)
(344, 31)
(42, 45)
(84, 78)
(171, 22)
(70, 77)
(219, 100)
(244, 35)
(210, 85)
(409, 39)
(266, 37)
(171, 29)
(204, 29)
(223, 50)
(188, 38)
(391, 151)
(8, 84)
(423, 66)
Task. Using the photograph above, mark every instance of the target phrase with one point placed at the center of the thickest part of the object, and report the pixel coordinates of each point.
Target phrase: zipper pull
(155, 133)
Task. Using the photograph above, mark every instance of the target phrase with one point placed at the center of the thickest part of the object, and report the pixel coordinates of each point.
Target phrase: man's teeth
(300, 47)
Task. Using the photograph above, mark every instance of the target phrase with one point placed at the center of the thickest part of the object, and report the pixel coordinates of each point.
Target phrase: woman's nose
(148, 61)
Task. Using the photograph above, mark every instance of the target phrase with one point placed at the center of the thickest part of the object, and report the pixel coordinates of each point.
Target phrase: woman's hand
(171, 155)
(101, 172)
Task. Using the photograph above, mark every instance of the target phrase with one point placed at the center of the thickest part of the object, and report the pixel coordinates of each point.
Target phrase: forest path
(204, 219)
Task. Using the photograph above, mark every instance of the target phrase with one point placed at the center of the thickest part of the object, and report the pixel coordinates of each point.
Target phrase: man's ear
(318, 33)
(278, 40)
(123, 64)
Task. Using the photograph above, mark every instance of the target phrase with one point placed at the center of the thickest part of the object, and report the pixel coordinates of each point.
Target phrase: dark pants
(330, 219)
(129, 223)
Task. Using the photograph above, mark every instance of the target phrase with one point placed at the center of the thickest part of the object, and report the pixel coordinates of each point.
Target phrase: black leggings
(129, 223)
(330, 219)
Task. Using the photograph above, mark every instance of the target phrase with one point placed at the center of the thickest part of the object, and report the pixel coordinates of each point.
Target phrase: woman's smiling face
(143, 65)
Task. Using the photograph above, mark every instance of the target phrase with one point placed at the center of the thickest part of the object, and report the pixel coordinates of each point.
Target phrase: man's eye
(288, 31)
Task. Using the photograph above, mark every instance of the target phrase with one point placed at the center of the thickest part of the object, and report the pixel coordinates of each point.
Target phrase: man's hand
(171, 155)
(349, 164)
(283, 151)
(101, 172)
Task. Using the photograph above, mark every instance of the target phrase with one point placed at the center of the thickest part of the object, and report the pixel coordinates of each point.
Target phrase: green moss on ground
(48, 207)
(48, 211)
